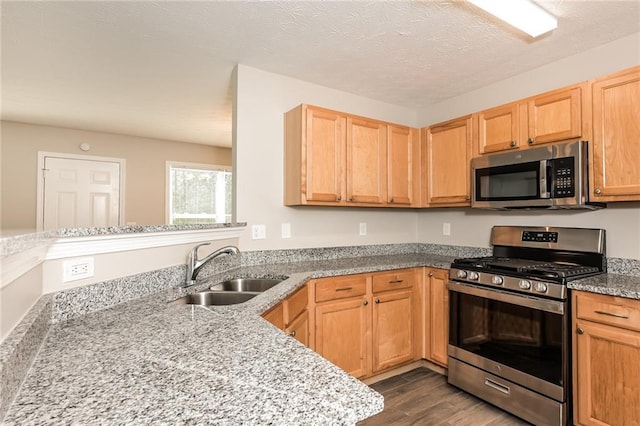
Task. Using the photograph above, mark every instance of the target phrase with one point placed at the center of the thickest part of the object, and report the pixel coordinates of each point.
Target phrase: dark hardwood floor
(423, 397)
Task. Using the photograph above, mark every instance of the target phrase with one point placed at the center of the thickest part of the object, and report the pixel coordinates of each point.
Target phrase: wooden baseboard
(403, 369)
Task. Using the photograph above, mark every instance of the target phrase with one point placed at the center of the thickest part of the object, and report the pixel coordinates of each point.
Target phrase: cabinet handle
(365, 303)
(513, 144)
(293, 333)
(344, 288)
(396, 281)
(598, 191)
(611, 314)
(580, 330)
(530, 141)
(377, 300)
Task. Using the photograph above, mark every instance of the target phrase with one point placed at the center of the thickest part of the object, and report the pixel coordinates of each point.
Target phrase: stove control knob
(541, 287)
(462, 274)
(497, 280)
(524, 284)
(473, 276)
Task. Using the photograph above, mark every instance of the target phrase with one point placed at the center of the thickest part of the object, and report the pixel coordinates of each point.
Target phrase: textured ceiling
(163, 69)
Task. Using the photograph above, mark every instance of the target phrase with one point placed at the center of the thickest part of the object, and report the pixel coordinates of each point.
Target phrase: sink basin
(246, 284)
(211, 298)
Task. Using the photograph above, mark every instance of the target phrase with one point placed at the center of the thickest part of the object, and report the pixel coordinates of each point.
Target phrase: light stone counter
(148, 361)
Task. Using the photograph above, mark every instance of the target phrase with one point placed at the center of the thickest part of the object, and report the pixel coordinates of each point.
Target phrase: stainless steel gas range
(509, 319)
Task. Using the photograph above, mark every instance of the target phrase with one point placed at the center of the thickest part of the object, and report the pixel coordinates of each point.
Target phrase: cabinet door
(342, 334)
(403, 156)
(608, 375)
(499, 128)
(448, 163)
(275, 316)
(555, 116)
(393, 329)
(299, 328)
(616, 137)
(438, 316)
(366, 161)
(324, 153)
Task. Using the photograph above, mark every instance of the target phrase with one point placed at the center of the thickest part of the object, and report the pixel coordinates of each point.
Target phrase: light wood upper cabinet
(403, 166)
(501, 128)
(615, 148)
(555, 116)
(446, 160)
(606, 360)
(333, 158)
(437, 316)
(314, 156)
(366, 161)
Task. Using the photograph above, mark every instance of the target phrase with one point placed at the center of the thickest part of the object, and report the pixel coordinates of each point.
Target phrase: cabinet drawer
(340, 288)
(617, 311)
(295, 304)
(393, 280)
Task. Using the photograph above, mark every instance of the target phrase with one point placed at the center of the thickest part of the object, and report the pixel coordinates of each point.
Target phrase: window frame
(187, 165)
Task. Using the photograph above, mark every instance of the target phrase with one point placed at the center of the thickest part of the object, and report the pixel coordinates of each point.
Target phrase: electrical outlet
(363, 229)
(446, 228)
(258, 232)
(77, 269)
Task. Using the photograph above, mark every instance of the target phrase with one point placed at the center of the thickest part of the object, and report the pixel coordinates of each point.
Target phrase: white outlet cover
(258, 232)
(446, 228)
(363, 228)
(286, 230)
(77, 269)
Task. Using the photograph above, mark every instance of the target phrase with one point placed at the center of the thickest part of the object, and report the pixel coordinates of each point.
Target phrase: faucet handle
(194, 251)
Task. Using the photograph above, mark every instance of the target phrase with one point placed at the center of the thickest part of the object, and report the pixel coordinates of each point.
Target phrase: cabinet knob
(598, 191)
(339, 197)
(512, 144)
(293, 333)
(468, 198)
(580, 330)
(350, 198)
(430, 274)
(391, 200)
(530, 141)
(365, 303)
(377, 300)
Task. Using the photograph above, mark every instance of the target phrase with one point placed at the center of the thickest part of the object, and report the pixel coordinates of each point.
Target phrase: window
(198, 193)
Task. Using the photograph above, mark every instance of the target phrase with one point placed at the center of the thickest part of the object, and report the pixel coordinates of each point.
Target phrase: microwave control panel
(563, 177)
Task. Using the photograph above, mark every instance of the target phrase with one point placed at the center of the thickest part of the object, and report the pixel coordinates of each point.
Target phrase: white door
(80, 193)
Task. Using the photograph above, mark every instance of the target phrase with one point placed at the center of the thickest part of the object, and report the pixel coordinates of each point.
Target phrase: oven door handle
(553, 306)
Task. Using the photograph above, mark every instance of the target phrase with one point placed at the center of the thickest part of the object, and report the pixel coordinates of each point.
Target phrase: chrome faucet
(194, 265)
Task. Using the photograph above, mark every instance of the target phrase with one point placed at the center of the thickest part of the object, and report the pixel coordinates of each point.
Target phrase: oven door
(521, 338)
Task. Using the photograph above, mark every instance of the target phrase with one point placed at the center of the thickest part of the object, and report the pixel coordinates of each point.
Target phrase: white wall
(471, 227)
(262, 98)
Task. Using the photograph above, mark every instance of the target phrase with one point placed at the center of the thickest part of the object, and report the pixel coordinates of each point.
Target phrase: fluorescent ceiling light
(522, 14)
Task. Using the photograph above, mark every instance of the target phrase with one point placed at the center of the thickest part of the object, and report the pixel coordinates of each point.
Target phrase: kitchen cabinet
(315, 143)
(501, 128)
(550, 117)
(292, 316)
(339, 159)
(615, 147)
(446, 160)
(403, 166)
(436, 339)
(555, 116)
(365, 323)
(606, 344)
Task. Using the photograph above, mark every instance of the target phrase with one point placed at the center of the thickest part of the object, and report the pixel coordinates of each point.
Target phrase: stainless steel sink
(213, 298)
(246, 284)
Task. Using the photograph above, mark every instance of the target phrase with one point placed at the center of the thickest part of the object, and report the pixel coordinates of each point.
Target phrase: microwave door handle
(544, 188)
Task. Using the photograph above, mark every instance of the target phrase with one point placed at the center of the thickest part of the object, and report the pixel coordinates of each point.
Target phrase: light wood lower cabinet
(374, 329)
(606, 360)
(436, 316)
(292, 316)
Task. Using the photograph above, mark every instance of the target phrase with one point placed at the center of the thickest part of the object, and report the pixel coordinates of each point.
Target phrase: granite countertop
(610, 284)
(148, 361)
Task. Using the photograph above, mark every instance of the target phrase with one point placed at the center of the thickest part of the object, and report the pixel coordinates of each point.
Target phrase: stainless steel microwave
(546, 177)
